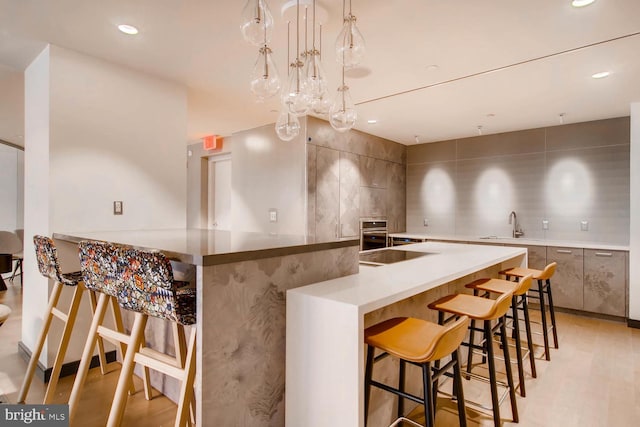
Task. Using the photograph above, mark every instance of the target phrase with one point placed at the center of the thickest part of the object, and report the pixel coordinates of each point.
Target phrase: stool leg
(401, 381)
(429, 404)
(543, 313)
(527, 325)
(120, 398)
(457, 378)
(367, 382)
(516, 331)
(33, 362)
(64, 342)
(101, 353)
(507, 362)
(472, 327)
(87, 353)
(117, 321)
(186, 389)
(492, 374)
(553, 314)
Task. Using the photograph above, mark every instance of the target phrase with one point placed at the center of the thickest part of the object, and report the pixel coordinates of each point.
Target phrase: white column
(634, 232)
(36, 193)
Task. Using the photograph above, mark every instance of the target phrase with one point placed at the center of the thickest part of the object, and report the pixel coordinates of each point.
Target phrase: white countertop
(375, 287)
(512, 241)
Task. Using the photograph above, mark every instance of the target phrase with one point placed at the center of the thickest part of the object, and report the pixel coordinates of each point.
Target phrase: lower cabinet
(567, 282)
(605, 278)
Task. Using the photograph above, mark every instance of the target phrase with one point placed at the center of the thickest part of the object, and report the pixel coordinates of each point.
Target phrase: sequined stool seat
(49, 266)
(543, 277)
(487, 311)
(149, 289)
(98, 264)
(518, 302)
(420, 343)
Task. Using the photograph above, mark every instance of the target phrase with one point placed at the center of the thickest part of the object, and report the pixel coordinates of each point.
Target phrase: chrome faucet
(517, 231)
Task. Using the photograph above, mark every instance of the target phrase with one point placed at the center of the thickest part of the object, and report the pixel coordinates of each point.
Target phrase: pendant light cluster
(306, 89)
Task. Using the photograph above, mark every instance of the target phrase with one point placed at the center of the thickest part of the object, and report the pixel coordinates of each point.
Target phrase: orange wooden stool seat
(543, 277)
(486, 310)
(418, 342)
(500, 286)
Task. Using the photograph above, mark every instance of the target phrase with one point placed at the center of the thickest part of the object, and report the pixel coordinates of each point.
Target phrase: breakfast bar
(326, 321)
(241, 280)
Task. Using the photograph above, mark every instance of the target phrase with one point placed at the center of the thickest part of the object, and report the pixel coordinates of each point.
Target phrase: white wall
(98, 132)
(634, 232)
(8, 187)
(268, 173)
(116, 134)
(11, 105)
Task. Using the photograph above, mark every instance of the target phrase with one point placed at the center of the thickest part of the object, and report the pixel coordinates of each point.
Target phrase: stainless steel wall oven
(373, 234)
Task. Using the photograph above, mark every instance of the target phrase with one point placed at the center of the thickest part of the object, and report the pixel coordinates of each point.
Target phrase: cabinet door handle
(563, 251)
(608, 254)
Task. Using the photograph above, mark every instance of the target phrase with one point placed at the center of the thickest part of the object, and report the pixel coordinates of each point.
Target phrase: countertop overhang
(375, 287)
(211, 247)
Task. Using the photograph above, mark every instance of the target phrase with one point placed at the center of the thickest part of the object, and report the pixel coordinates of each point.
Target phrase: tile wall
(564, 175)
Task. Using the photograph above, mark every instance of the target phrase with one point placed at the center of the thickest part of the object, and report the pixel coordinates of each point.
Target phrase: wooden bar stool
(486, 310)
(418, 342)
(499, 286)
(99, 269)
(47, 257)
(544, 288)
(148, 289)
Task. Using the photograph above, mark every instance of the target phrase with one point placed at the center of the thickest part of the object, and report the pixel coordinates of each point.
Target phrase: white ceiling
(198, 43)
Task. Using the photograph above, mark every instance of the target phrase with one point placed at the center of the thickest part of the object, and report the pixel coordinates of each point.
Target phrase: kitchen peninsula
(241, 281)
(326, 322)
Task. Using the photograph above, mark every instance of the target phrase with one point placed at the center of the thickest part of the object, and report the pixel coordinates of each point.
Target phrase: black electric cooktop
(389, 256)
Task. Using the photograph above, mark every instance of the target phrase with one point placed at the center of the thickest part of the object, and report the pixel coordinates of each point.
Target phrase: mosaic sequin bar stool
(98, 264)
(487, 311)
(47, 257)
(543, 277)
(420, 343)
(149, 289)
(518, 301)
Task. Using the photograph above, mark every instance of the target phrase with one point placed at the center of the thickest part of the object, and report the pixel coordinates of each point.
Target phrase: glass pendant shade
(287, 126)
(314, 73)
(343, 114)
(256, 23)
(350, 46)
(295, 97)
(265, 81)
(322, 104)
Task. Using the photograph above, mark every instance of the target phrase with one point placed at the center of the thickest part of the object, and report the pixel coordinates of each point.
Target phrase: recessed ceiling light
(491, 115)
(128, 29)
(433, 67)
(581, 3)
(601, 75)
(372, 121)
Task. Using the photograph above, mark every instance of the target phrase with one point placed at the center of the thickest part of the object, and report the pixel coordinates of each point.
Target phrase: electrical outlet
(117, 207)
(584, 225)
(273, 215)
(425, 222)
(545, 224)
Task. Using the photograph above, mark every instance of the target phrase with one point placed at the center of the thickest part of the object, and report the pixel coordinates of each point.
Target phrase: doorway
(219, 192)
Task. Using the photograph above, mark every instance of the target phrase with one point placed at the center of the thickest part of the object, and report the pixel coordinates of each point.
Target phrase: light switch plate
(545, 224)
(584, 225)
(425, 222)
(273, 215)
(117, 207)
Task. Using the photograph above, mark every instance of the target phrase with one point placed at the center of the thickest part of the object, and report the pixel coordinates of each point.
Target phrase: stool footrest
(60, 314)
